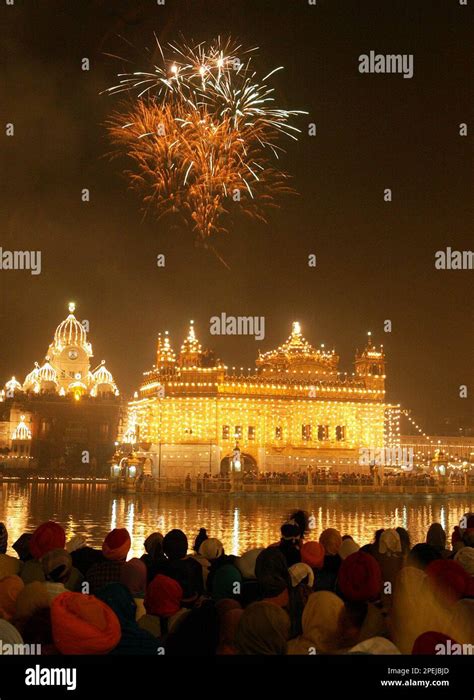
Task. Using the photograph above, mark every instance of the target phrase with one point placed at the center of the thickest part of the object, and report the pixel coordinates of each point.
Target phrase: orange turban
(312, 553)
(10, 587)
(46, 537)
(83, 624)
(331, 540)
(117, 544)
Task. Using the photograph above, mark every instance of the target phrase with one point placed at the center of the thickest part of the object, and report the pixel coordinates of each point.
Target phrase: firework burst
(203, 135)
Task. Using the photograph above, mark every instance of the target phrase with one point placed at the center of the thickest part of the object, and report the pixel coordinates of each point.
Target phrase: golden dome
(70, 331)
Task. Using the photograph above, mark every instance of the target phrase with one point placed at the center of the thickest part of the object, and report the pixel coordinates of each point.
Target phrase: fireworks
(203, 135)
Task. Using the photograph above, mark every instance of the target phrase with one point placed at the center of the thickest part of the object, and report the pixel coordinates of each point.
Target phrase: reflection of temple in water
(297, 409)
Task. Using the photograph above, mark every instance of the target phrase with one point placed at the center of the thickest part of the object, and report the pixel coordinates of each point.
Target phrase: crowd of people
(329, 595)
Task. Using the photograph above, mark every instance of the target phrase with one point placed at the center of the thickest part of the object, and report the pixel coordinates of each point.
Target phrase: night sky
(375, 260)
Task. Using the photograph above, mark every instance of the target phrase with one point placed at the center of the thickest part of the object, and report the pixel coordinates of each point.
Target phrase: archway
(248, 463)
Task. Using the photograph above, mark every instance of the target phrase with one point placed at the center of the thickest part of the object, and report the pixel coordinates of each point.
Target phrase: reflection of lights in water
(131, 513)
(113, 521)
(404, 517)
(442, 517)
(236, 533)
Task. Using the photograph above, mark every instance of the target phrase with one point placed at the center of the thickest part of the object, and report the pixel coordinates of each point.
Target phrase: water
(240, 522)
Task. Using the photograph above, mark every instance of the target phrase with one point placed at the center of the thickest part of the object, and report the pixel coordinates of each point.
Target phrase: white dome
(102, 376)
(70, 331)
(13, 385)
(47, 373)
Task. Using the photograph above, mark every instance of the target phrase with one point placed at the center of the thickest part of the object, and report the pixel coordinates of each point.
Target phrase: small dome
(21, 432)
(102, 375)
(47, 373)
(70, 331)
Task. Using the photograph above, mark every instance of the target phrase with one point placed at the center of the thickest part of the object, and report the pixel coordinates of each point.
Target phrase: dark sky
(375, 259)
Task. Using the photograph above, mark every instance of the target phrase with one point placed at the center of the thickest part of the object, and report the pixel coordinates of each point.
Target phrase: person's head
(83, 624)
(3, 538)
(211, 549)
(133, 575)
(436, 536)
(46, 537)
(322, 620)
(465, 557)
(312, 553)
(390, 543)
(404, 539)
(290, 532)
(421, 555)
(301, 518)
(246, 563)
(34, 596)
(10, 587)
(163, 596)
(117, 545)
(200, 537)
(227, 582)
(331, 540)
(377, 536)
(272, 573)
(154, 544)
(22, 546)
(348, 547)
(360, 578)
(120, 600)
(57, 565)
(449, 580)
(351, 622)
(175, 544)
(263, 629)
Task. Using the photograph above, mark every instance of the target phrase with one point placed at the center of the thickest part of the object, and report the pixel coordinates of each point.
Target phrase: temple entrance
(248, 463)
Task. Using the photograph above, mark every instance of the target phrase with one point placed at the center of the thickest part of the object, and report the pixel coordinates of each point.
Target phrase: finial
(72, 307)
(296, 328)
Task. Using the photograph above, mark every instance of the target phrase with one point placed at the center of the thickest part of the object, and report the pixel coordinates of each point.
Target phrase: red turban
(163, 596)
(360, 578)
(83, 624)
(426, 643)
(46, 537)
(117, 544)
(312, 553)
(449, 577)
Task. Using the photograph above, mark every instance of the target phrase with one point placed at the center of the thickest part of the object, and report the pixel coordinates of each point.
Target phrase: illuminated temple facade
(65, 414)
(295, 410)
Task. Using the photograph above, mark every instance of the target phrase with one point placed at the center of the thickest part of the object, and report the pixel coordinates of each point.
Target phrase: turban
(3, 538)
(46, 537)
(224, 582)
(436, 536)
(272, 572)
(246, 563)
(22, 546)
(34, 596)
(449, 578)
(465, 557)
(290, 531)
(427, 642)
(331, 540)
(263, 629)
(312, 553)
(175, 544)
(375, 645)
(390, 543)
(83, 624)
(348, 547)
(163, 596)
(57, 565)
(10, 587)
(9, 634)
(320, 623)
(116, 545)
(133, 575)
(211, 549)
(76, 542)
(299, 572)
(360, 578)
(152, 542)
